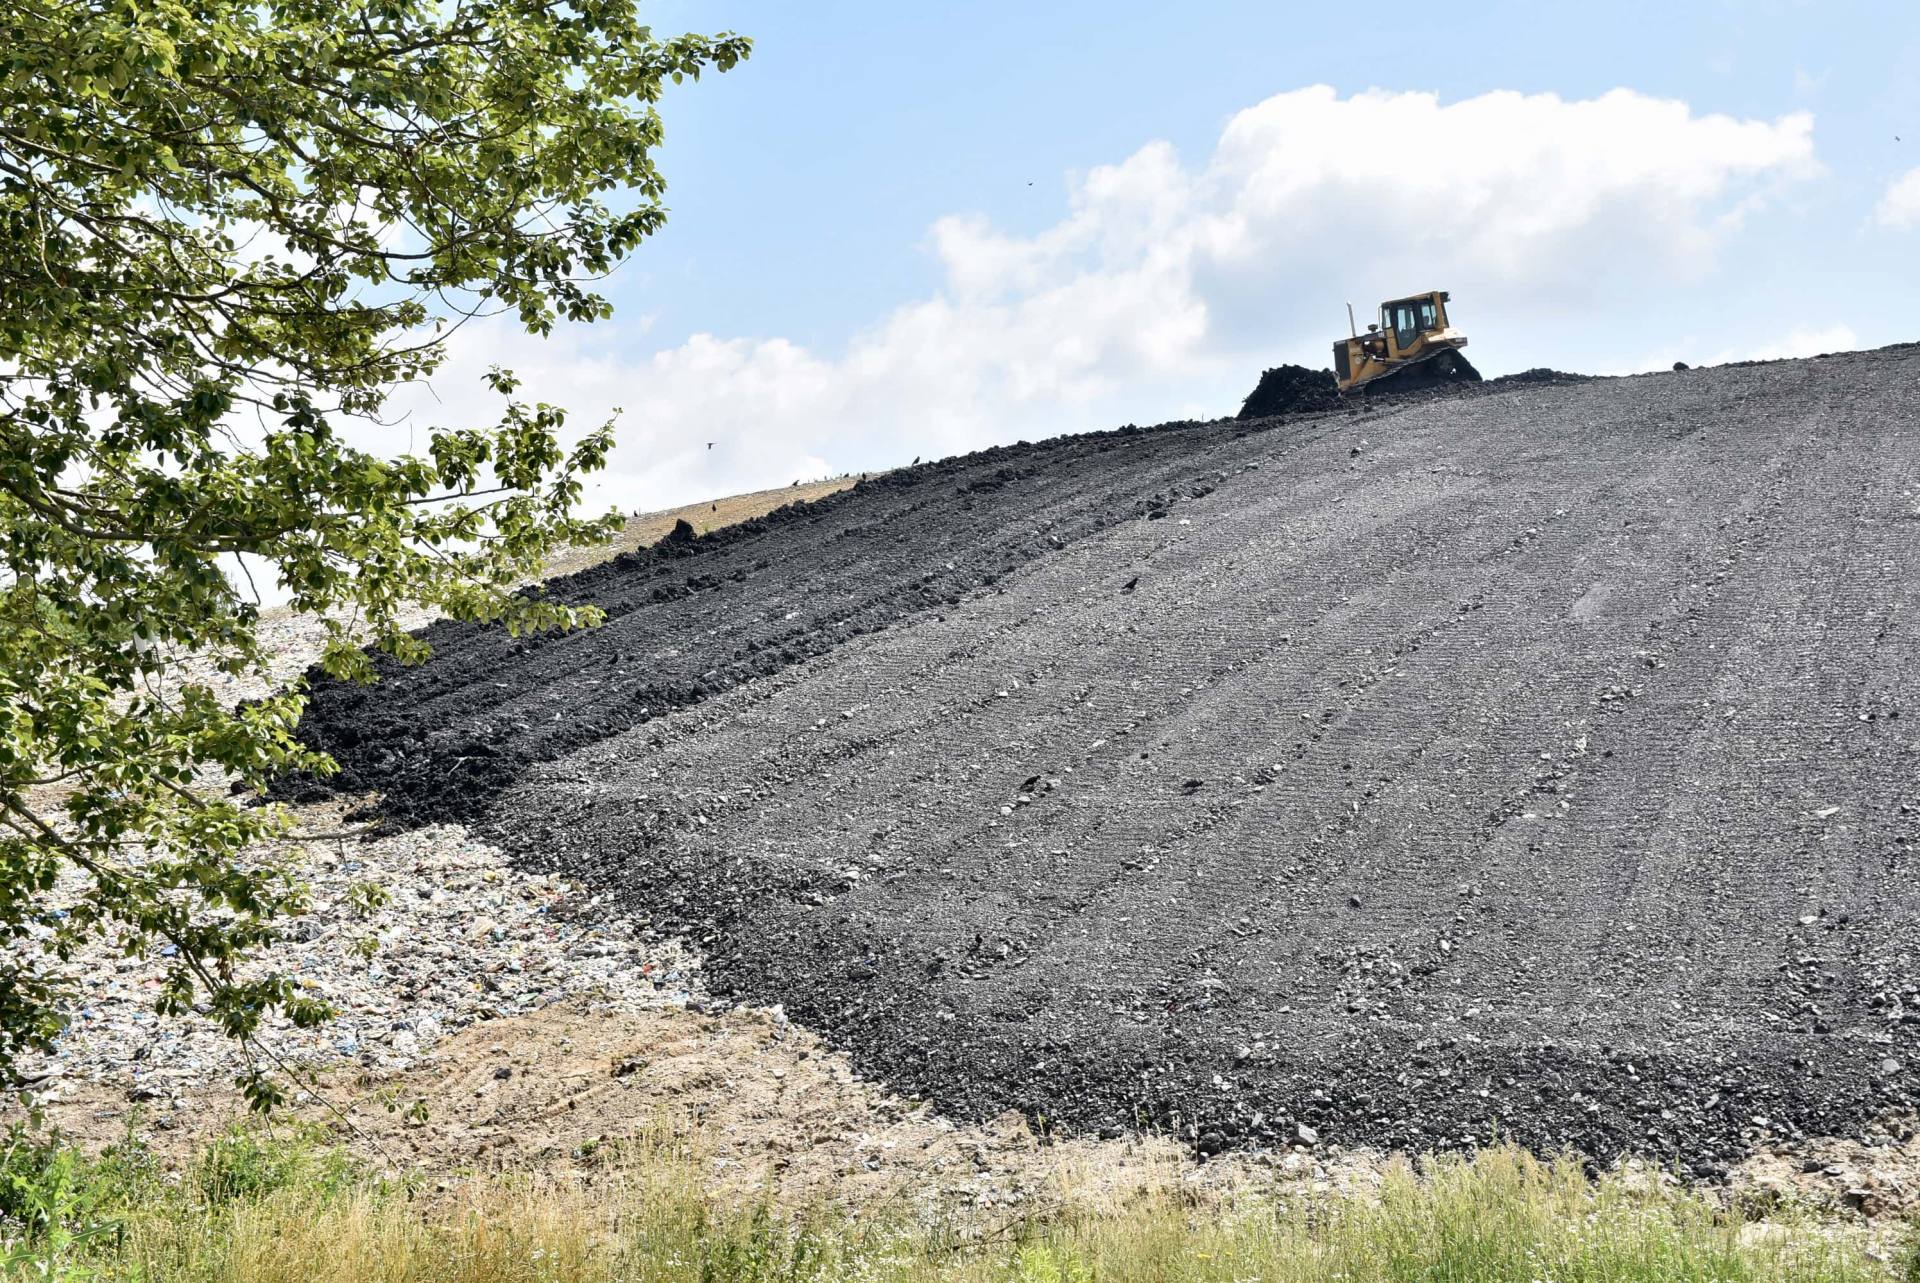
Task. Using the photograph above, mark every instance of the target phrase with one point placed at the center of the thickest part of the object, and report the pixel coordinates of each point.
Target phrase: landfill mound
(1539, 762)
(1290, 389)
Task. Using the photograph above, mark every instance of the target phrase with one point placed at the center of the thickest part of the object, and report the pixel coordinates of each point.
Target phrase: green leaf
(200, 192)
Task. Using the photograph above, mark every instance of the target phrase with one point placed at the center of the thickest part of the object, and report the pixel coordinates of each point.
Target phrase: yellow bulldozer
(1412, 345)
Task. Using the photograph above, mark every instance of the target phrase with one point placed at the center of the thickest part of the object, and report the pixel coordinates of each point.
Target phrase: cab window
(1429, 314)
(1399, 318)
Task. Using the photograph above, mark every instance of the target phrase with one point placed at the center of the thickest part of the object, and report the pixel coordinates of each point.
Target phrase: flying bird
(709, 445)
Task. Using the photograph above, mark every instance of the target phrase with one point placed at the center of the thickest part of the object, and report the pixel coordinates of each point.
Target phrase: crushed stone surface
(460, 937)
(1536, 762)
(1876, 1178)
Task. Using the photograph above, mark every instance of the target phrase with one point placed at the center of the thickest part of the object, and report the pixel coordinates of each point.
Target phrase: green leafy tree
(228, 232)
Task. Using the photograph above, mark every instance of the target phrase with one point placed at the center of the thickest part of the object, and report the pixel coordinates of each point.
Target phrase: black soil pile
(1540, 374)
(1541, 762)
(1291, 389)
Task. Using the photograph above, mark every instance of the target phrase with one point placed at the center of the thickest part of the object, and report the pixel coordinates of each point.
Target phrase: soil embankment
(1536, 760)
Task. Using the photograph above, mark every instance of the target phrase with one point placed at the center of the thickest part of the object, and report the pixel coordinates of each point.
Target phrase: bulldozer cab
(1403, 321)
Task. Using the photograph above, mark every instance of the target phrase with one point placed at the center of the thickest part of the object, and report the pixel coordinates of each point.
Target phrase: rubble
(458, 937)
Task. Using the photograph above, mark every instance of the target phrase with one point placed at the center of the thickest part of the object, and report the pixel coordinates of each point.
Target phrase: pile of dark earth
(1536, 763)
(1290, 389)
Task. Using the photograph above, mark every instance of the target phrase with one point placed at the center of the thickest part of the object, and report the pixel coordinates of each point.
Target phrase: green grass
(287, 1210)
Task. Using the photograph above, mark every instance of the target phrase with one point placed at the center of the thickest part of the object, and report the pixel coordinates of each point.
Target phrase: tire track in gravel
(689, 620)
(1455, 768)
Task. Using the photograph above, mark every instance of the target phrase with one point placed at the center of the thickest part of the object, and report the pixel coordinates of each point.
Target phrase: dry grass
(709, 514)
(291, 1213)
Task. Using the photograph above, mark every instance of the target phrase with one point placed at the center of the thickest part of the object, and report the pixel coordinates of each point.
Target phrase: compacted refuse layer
(1539, 762)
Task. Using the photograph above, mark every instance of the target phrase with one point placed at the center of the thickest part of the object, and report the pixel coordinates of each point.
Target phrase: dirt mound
(1291, 389)
(1535, 765)
(1541, 374)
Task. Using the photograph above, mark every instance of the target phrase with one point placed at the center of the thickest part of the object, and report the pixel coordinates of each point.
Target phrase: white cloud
(1899, 208)
(1167, 285)
(1802, 341)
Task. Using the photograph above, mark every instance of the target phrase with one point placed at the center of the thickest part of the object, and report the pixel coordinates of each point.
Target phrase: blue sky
(908, 229)
(802, 187)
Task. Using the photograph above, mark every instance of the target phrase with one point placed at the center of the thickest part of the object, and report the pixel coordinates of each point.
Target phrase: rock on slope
(1539, 761)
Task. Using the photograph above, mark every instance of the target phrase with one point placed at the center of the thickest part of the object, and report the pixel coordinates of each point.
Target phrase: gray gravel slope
(1541, 762)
